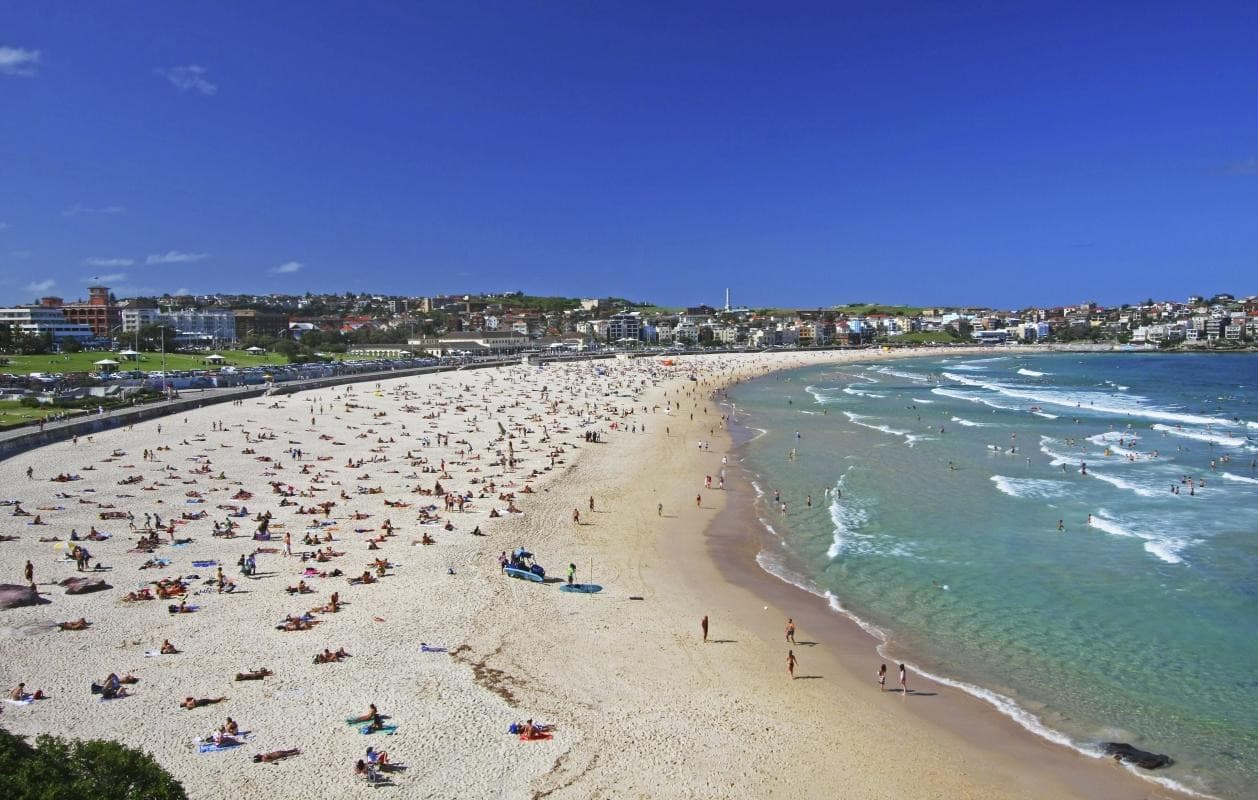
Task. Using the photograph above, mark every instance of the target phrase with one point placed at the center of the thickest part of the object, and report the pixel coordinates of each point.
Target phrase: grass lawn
(922, 338)
(14, 413)
(148, 362)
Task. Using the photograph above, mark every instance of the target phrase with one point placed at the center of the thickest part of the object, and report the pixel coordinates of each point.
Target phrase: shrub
(59, 769)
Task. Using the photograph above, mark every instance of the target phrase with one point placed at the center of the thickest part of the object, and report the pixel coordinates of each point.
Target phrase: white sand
(643, 708)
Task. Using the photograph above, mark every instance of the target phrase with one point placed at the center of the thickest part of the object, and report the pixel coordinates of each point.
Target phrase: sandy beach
(448, 648)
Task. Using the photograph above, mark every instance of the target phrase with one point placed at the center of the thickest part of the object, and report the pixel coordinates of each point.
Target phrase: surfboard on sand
(523, 574)
(583, 588)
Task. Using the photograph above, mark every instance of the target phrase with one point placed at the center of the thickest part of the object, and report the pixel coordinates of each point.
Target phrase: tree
(152, 338)
(287, 348)
(71, 346)
(57, 769)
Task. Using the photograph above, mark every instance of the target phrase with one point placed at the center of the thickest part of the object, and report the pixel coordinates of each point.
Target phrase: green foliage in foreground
(57, 769)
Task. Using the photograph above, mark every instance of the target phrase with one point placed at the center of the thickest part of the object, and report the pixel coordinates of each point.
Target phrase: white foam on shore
(1088, 401)
(1228, 476)
(1057, 458)
(859, 419)
(1037, 488)
(974, 398)
(969, 367)
(1122, 483)
(1200, 435)
(847, 520)
(1165, 548)
(859, 393)
(972, 424)
(919, 400)
(1002, 703)
(1044, 414)
(912, 376)
(1031, 373)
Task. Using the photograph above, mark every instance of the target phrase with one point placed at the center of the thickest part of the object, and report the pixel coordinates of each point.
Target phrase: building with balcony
(44, 321)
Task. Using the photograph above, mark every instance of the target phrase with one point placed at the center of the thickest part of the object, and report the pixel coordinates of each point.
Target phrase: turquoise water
(938, 485)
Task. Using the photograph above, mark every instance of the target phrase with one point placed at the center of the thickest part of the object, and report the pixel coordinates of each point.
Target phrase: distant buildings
(44, 321)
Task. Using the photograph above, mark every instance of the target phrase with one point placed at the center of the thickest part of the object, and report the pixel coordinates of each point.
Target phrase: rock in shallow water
(1141, 758)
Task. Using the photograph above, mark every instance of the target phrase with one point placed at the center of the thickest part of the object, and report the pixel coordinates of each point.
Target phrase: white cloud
(40, 286)
(16, 61)
(113, 277)
(180, 292)
(79, 208)
(175, 257)
(96, 261)
(189, 78)
(287, 268)
(1246, 166)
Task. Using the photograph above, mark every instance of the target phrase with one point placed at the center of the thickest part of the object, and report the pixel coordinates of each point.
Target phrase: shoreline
(644, 708)
(737, 539)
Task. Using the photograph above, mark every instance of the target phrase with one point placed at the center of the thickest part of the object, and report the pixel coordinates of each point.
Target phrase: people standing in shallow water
(904, 680)
(882, 678)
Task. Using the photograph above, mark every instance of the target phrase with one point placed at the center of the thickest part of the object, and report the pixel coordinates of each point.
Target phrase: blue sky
(1000, 153)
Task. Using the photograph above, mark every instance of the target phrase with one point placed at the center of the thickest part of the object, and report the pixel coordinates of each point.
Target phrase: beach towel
(23, 702)
(203, 564)
(427, 648)
(387, 730)
(210, 747)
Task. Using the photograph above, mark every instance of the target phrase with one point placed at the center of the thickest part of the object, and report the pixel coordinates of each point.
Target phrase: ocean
(1072, 537)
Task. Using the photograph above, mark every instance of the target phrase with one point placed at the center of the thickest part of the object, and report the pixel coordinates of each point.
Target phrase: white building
(192, 323)
(40, 321)
(135, 318)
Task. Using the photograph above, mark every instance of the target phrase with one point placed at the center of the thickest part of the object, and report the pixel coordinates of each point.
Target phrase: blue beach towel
(387, 730)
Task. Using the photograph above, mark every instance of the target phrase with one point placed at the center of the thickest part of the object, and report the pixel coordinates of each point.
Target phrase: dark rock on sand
(13, 596)
(84, 585)
(1141, 758)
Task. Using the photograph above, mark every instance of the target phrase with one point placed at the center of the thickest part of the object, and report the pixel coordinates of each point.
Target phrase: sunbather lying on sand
(276, 755)
(254, 675)
(190, 702)
(79, 624)
(328, 657)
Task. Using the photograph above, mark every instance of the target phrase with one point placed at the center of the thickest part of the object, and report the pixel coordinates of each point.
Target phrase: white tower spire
(727, 299)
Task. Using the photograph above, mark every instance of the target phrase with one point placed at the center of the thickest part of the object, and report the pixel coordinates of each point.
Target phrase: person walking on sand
(591, 504)
(790, 631)
(904, 680)
(288, 543)
(572, 573)
(659, 509)
(699, 501)
(576, 516)
(29, 573)
(704, 624)
(791, 661)
(882, 678)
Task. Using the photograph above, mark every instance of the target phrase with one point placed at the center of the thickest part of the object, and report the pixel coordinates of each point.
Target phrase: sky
(997, 153)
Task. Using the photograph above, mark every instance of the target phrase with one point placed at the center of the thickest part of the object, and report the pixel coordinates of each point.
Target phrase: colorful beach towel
(387, 730)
